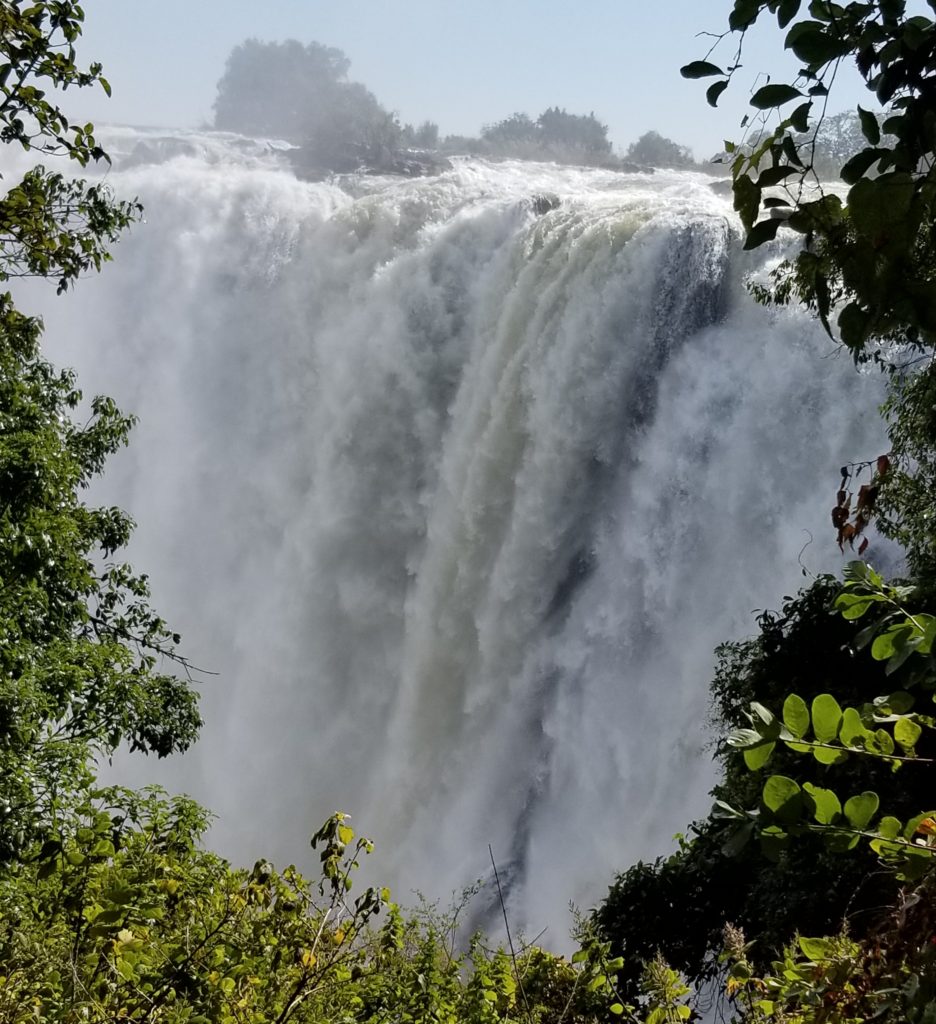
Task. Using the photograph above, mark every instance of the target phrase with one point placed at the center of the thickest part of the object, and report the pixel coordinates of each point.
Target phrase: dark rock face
(543, 202)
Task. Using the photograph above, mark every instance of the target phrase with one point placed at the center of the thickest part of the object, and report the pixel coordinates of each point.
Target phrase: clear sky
(459, 64)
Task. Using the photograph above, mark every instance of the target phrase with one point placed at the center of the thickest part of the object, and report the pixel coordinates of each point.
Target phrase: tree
(554, 135)
(720, 874)
(819, 729)
(516, 129)
(79, 645)
(278, 88)
(425, 136)
(870, 260)
(655, 150)
(571, 133)
(301, 93)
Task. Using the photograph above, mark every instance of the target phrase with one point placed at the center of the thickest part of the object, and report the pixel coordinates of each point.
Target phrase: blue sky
(459, 64)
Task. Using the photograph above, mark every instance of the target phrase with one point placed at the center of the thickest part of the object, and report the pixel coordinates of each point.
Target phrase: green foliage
(79, 645)
(869, 262)
(122, 915)
(906, 508)
(554, 135)
(654, 150)
(720, 875)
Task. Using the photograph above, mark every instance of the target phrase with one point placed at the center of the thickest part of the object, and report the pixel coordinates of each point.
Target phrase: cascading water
(456, 488)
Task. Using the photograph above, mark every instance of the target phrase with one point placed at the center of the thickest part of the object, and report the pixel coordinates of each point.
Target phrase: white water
(457, 499)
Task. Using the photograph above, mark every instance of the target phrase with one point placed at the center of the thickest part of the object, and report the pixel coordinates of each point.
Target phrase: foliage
(424, 136)
(654, 150)
(301, 93)
(574, 132)
(906, 506)
(123, 916)
(79, 645)
(718, 875)
(830, 739)
(836, 138)
(276, 88)
(870, 260)
(890, 973)
(554, 135)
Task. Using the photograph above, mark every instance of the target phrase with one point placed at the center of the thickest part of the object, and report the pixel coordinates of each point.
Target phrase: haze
(460, 65)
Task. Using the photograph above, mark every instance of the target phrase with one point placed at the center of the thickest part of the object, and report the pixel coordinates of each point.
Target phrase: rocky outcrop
(313, 165)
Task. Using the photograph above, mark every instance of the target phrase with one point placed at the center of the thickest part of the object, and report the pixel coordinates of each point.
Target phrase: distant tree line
(301, 93)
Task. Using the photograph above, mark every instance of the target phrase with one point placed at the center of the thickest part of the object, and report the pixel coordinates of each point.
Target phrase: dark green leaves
(787, 11)
(859, 810)
(814, 43)
(764, 231)
(700, 69)
(782, 796)
(869, 126)
(714, 91)
(746, 200)
(796, 715)
(770, 96)
(743, 14)
(858, 165)
(826, 717)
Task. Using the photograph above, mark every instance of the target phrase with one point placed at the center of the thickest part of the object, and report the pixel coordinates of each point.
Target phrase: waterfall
(455, 489)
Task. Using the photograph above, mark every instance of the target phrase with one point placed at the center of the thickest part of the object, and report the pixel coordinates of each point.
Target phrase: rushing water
(455, 496)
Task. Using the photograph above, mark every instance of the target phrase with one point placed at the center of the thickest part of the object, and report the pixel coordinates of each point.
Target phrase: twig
(513, 954)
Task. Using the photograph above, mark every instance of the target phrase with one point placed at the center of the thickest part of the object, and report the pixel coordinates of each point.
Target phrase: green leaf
(855, 326)
(815, 949)
(889, 827)
(859, 810)
(616, 1008)
(829, 755)
(757, 757)
(856, 608)
(782, 796)
(799, 119)
(743, 738)
(826, 717)
(906, 733)
(774, 175)
(747, 197)
(858, 165)
(853, 731)
(770, 96)
(787, 11)
(700, 69)
(813, 42)
(827, 804)
(881, 742)
(878, 206)
(743, 14)
(715, 90)
(796, 715)
(869, 126)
